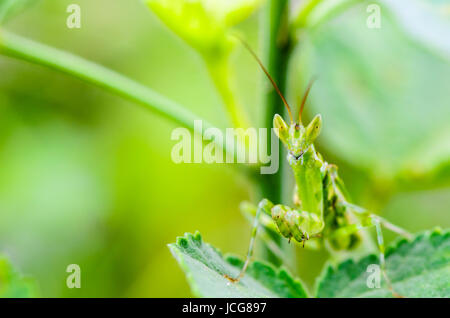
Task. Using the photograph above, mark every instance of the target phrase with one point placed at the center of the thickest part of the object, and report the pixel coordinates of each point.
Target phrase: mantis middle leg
(264, 206)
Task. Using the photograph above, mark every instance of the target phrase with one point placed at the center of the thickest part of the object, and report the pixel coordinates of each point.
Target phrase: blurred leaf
(13, 284)
(9, 8)
(419, 268)
(205, 268)
(204, 24)
(314, 12)
(383, 99)
(423, 22)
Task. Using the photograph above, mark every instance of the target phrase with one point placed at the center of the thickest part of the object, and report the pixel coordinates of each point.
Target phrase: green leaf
(424, 22)
(13, 284)
(417, 268)
(204, 24)
(205, 268)
(383, 99)
(9, 8)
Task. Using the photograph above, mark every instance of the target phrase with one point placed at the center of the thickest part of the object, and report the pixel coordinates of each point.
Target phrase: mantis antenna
(268, 76)
(305, 96)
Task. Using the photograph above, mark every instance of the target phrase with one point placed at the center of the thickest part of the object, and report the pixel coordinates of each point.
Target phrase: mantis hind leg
(367, 220)
(370, 220)
(380, 241)
(263, 207)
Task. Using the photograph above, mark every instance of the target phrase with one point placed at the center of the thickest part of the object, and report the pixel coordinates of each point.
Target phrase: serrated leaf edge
(330, 269)
(197, 237)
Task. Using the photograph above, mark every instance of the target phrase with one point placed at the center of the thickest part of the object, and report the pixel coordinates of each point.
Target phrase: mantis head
(297, 138)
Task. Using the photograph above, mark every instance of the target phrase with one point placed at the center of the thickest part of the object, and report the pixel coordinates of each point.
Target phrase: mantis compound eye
(281, 128)
(313, 129)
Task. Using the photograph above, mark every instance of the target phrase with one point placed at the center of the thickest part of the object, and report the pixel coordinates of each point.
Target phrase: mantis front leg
(288, 222)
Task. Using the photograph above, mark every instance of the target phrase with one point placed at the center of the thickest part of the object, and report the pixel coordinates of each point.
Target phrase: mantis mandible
(321, 206)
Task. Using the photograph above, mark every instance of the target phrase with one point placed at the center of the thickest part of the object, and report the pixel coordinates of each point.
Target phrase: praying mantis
(322, 209)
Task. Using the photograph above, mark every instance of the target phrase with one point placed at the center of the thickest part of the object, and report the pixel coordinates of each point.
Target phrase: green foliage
(205, 268)
(416, 268)
(424, 22)
(419, 268)
(13, 284)
(204, 24)
(9, 8)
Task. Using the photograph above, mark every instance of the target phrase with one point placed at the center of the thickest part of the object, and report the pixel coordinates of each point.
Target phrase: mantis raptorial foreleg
(265, 230)
(289, 218)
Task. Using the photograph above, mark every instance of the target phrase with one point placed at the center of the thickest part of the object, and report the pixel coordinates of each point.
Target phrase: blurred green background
(86, 177)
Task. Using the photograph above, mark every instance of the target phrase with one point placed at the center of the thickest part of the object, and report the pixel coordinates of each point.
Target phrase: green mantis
(321, 210)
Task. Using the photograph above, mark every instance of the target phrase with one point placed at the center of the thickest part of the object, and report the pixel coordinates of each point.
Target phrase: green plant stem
(276, 48)
(222, 76)
(24, 49)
